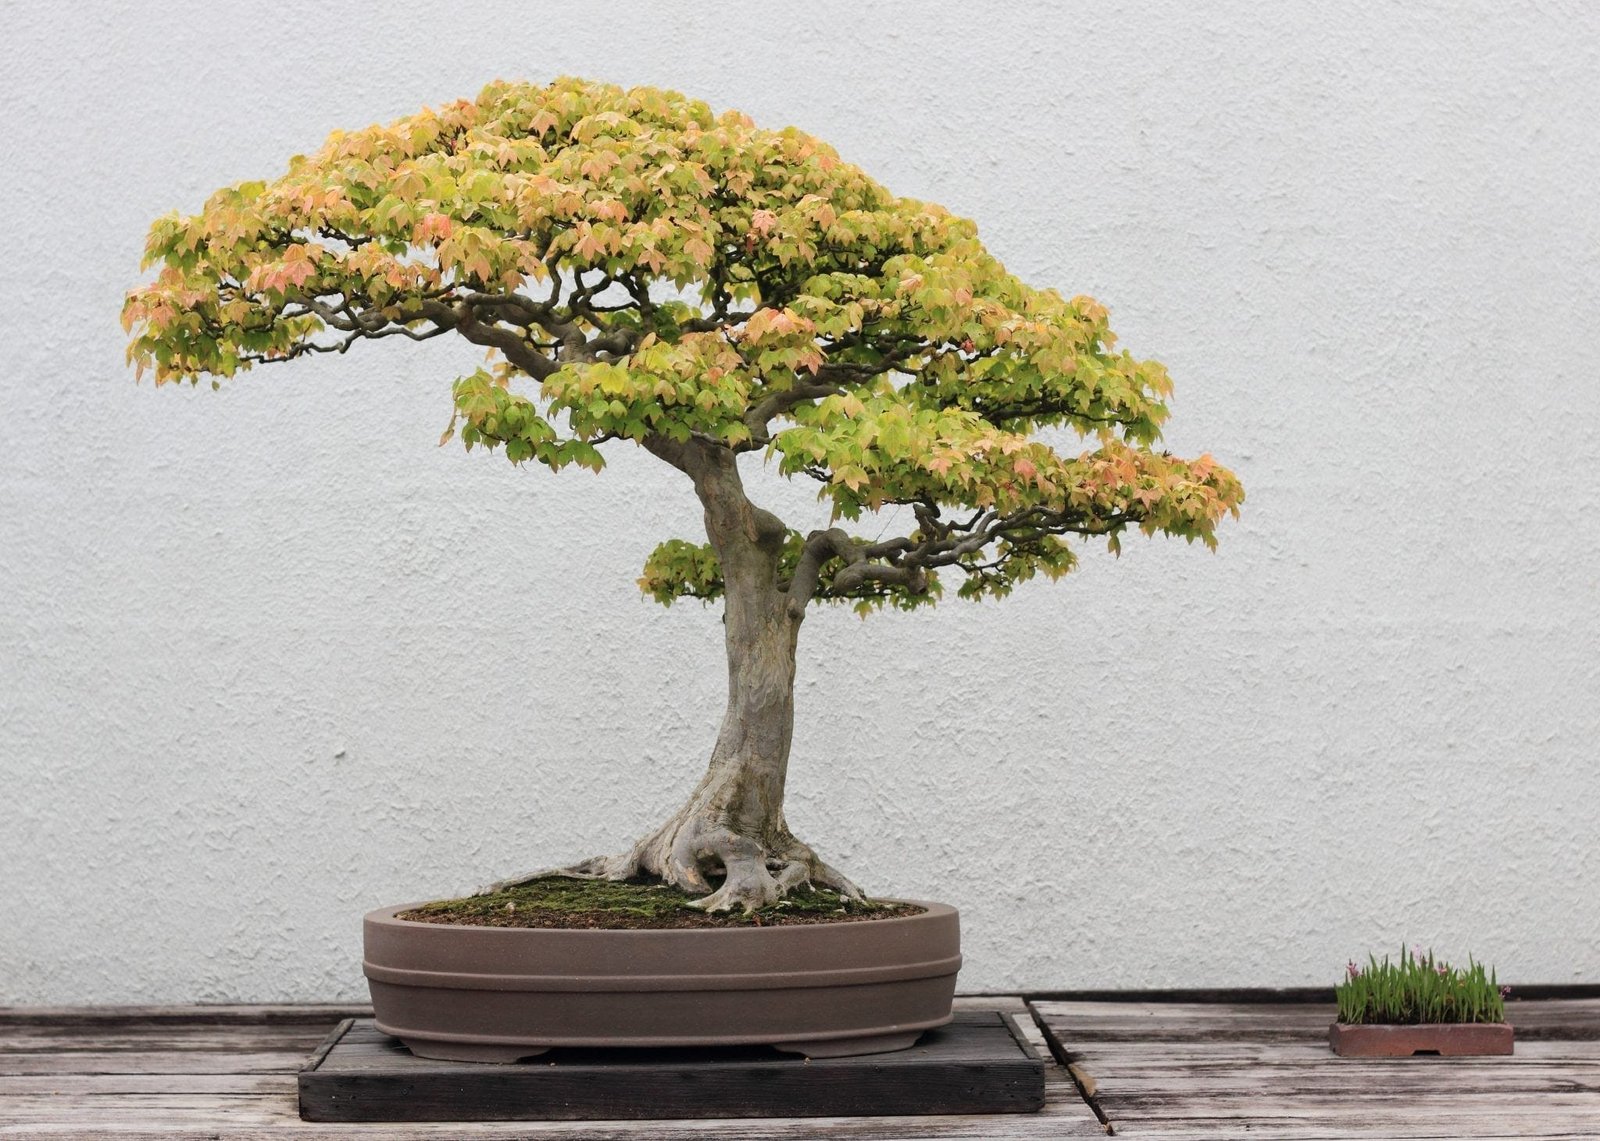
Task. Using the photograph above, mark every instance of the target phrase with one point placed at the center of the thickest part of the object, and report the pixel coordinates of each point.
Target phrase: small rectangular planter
(1396, 1040)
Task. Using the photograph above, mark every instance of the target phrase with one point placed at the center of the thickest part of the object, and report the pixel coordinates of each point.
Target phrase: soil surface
(638, 904)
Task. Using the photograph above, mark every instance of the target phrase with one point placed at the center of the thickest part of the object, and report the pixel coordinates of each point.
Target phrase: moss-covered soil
(637, 904)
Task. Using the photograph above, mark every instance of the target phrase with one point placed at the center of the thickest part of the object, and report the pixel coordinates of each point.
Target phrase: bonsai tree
(647, 273)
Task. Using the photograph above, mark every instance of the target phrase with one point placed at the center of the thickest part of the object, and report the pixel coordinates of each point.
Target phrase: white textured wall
(270, 658)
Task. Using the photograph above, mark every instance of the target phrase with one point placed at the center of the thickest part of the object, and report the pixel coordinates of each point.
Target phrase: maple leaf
(699, 249)
(296, 273)
(587, 246)
(432, 227)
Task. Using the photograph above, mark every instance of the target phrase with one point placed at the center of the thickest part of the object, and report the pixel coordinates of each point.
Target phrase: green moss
(557, 901)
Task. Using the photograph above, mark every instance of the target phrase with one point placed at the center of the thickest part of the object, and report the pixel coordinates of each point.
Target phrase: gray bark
(732, 826)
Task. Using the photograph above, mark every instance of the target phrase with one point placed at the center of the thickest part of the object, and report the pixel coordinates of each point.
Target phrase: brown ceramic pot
(496, 994)
(1396, 1040)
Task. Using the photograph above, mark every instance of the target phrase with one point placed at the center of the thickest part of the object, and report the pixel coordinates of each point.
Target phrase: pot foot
(498, 1052)
(849, 1047)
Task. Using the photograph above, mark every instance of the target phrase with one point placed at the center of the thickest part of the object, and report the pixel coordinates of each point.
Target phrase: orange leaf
(432, 227)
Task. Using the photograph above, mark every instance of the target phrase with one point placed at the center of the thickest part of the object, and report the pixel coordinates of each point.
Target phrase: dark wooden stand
(974, 1065)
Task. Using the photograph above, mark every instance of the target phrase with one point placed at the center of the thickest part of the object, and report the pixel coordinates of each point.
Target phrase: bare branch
(906, 561)
(860, 566)
(687, 456)
(510, 343)
(913, 578)
(781, 401)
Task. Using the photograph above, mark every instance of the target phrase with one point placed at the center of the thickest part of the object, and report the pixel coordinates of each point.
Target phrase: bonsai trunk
(732, 826)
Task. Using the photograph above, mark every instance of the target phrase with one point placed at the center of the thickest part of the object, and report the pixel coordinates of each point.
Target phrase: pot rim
(389, 917)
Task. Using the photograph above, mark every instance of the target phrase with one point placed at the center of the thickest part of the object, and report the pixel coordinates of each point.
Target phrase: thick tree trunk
(732, 826)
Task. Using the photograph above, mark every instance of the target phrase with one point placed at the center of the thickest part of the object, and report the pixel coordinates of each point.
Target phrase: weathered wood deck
(229, 1072)
(1214, 1070)
(1167, 1070)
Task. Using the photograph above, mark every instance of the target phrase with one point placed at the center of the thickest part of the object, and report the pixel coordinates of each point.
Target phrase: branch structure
(642, 270)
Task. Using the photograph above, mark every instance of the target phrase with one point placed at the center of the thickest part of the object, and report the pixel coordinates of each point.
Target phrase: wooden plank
(1344, 1116)
(1114, 1080)
(363, 1049)
(974, 1065)
(1565, 1019)
(240, 1039)
(1064, 1117)
(1005, 1003)
(195, 1015)
(1294, 1129)
(153, 1062)
(83, 1085)
(1266, 1054)
(320, 1054)
(144, 1109)
(360, 1042)
(1142, 1022)
(1026, 1031)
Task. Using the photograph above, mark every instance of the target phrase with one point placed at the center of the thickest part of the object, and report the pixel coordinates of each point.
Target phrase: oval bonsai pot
(1402, 1040)
(496, 994)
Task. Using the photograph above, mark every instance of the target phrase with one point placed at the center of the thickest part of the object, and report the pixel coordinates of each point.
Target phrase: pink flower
(1353, 970)
(1505, 992)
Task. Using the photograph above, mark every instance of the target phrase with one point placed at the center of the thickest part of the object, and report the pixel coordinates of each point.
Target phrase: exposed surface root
(689, 853)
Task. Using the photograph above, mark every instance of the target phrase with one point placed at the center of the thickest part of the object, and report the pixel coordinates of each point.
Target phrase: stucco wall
(271, 658)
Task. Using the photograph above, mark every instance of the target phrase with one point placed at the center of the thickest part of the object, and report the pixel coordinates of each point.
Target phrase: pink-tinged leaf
(699, 249)
(293, 273)
(588, 245)
(433, 227)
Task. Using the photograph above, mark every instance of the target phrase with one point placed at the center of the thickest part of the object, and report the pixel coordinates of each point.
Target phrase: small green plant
(1420, 988)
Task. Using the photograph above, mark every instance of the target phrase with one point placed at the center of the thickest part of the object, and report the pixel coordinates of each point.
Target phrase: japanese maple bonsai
(647, 273)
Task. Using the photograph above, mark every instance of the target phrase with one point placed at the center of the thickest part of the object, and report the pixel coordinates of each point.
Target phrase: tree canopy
(643, 269)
